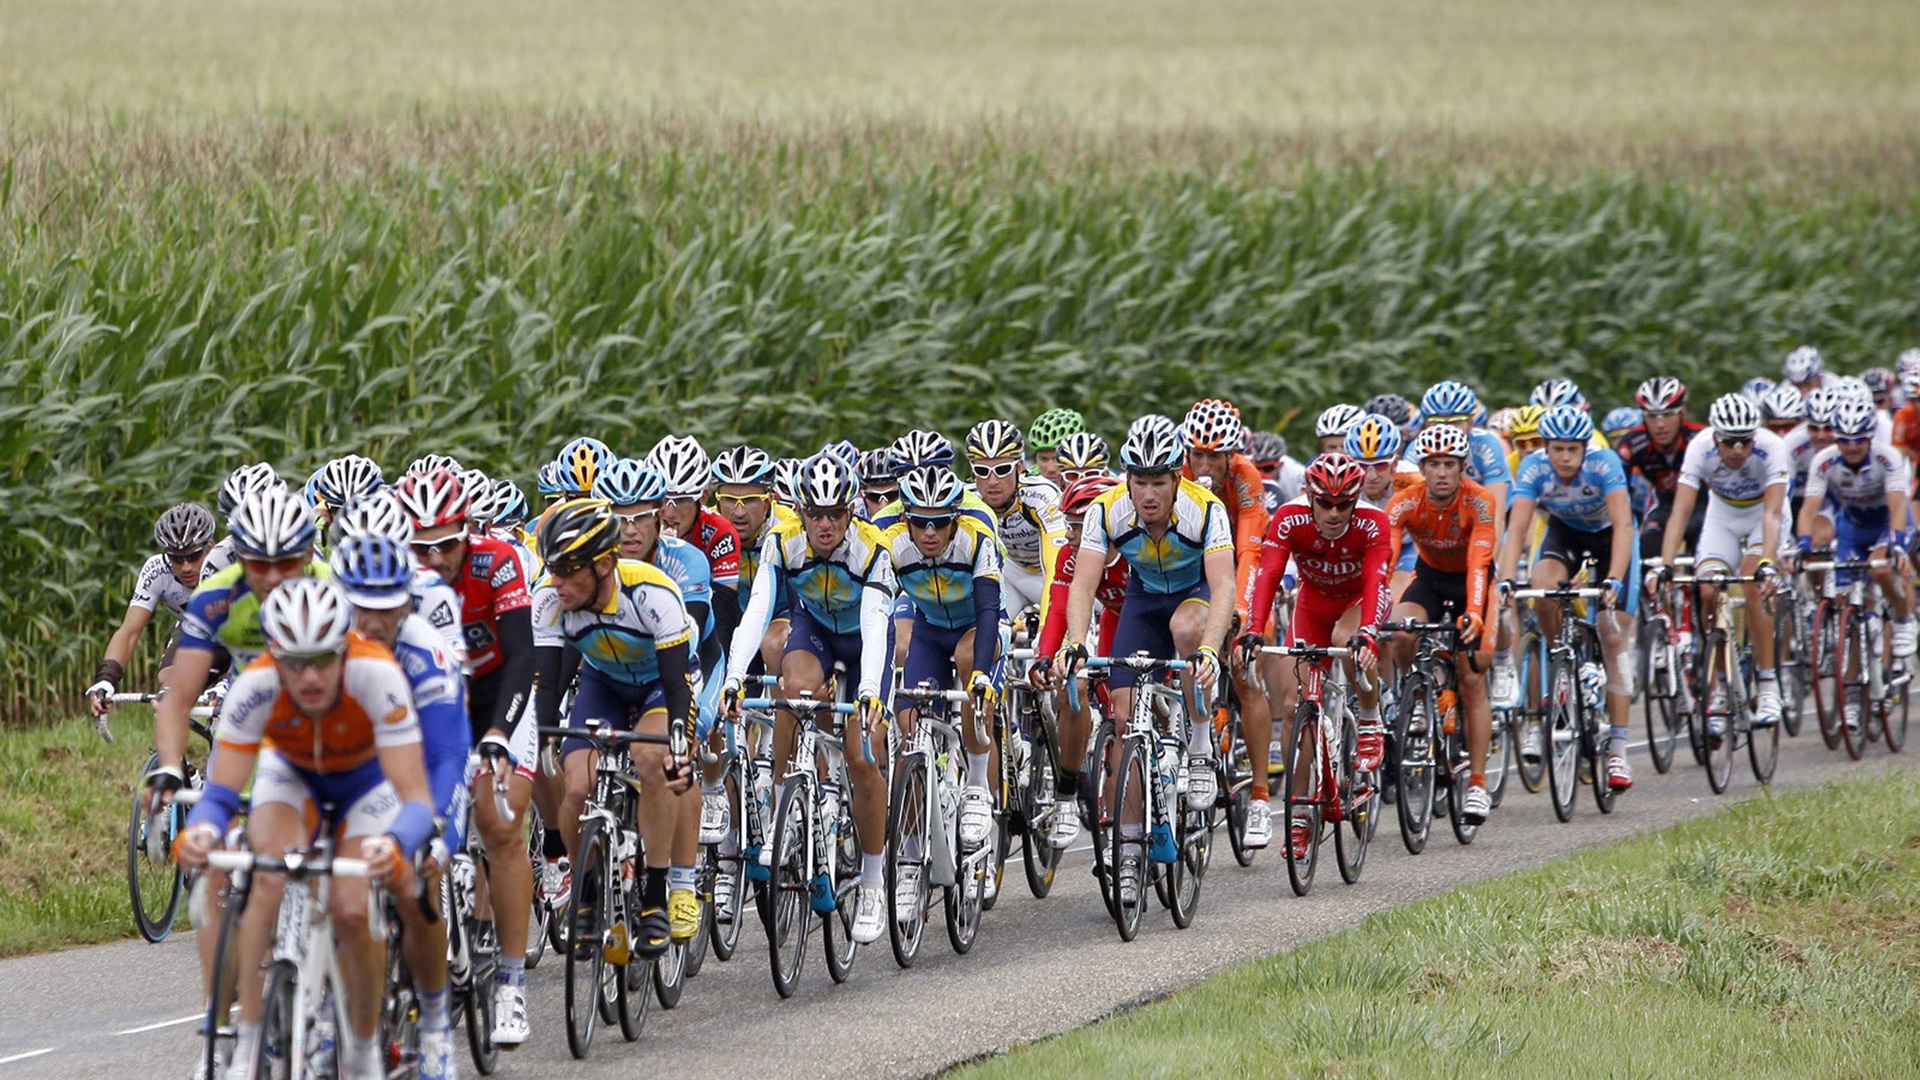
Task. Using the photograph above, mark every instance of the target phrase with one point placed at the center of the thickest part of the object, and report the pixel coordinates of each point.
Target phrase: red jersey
(490, 584)
(1351, 567)
(1110, 594)
(716, 537)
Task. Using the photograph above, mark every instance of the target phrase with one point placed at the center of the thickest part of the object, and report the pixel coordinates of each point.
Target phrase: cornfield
(164, 318)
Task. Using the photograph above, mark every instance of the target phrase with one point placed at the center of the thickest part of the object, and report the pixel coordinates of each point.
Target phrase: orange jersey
(1244, 497)
(1906, 430)
(1457, 538)
(375, 710)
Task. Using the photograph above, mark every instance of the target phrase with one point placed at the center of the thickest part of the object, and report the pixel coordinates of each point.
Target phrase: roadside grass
(1780, 937)
(63, 825)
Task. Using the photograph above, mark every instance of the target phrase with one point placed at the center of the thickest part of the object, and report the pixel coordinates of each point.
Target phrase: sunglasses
(682, 500)
(1074, 476)
(1850, 441)
(734, 502)
(930, 521)
(1329, 505)
(309, 661)
(998, 471)
(637, 516)
(1659, 414)
(441, 547)
(880, 495)
(1271, 468)
(183, 558)
(826, 513)
(1735, 442)
(286, 566)
(568, 568)
(1376, 466)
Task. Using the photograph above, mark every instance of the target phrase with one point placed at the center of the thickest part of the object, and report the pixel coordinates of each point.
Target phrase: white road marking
(161, 1024)
(25, 1056)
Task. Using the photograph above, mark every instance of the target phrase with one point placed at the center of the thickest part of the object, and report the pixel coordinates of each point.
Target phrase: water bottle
(1593, 685)
(1022, 754)
(830, 818)
(1167, 770)
(762, 791)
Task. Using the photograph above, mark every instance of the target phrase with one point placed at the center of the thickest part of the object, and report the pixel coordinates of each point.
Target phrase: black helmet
(186, 527)
(578, 530)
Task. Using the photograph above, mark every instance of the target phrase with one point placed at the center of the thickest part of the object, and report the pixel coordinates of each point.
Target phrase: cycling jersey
(224, 614)
(622, 640)
(1906, 430)
(847, 592)
(1110, 594)
(689, 570)
(1661, 468)
(1246, 515)
(490, 584)
(1860, 491)
(1580, 502)
(440, 700)
(1800, 451)
(1346, 569)
(1765, 467)
(957, 588)
(719, 541)
(1174, 562)
(1029, 532)
(436, 602)
(375, 710)
(156, 587)
(1454, 538)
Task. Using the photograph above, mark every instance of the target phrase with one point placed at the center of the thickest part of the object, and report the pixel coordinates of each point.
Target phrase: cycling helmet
(1083, 450)
(1619, 421)
(479, 488)
(1265, 446)
(1757, 388)
(876, 467)
(991, 439)
(510, 507)
(1334, 478)
(1392, 406)
(373, 571)
(339, 481)
(1783, 402)
(1907, 362)
(1152, 446)
(1373, 438)
(1878, 379)
(548, 481)
(1081, 493)
(243, 481)
(1851, 386)
(748, 465)
(932, 489)
(825, 480)
(1566, 423)
(1439, 440)
(1910, 382)
(1557, 392)
(1336, 419)
(578, 530)
(1820, 406)
(1802, 364)
(306, 617)
(183, 528)
(682, 463)
(919, 447)
(1525, 421)
(271, 523)
(378, 514)
(1448, 402)
(1734, 416)
(579, 464)
(627, 482)
(1661, 393)
(786, 480)
(423, 465)
(434, 499)
(307, 492)
(1213, 425)
(1500, 420)
(844, 450)
(1854, 419)
(1052, 426)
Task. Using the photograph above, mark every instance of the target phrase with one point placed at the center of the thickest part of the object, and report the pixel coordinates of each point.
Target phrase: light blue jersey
(1579, 503)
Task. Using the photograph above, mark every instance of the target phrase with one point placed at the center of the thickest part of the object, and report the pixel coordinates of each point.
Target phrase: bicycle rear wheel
(1789, 663)
(586, 955)
(909, 844)
(1101, 750)
(1455, 774)
(1305, 770)
(1417, 774)
(1659, 695)
(1359, 802)
(1235, 765)
(836, 927)
(1561, 745)
(788, 912)
(1824, 673)
(1038, 804)
(273, 1058)
(543, 926)
(1850, 660)
(1130, 814)
(154, 880)
(1720, 688)
(1529, 728)
(1500, 755)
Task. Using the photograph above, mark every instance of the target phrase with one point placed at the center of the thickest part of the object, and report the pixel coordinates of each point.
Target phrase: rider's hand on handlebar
(1613, 593)
(384, 862)
(1248, 645)
(1040, 674)
(730, 698)
(190, 848)
(1206, 667)
(981, 689)
(100, 698)
(1366, 651)
(1070, 659)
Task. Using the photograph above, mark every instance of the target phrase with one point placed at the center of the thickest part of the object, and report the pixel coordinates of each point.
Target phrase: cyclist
(950, 566)
(1082, 454)
(1455, 405)
(743, 493)
(496, 620)
(1450, 521)
(1331, 426)
(1175, 536)
(1857, 500)
(339, 482)
(841, 579)
(1618, 422)
(1044, 437)
(375, 574)
(380, 514)
(879, 485)
(1280, 474)
(1744, 470)
(1653, 451)
(1523, 435)
(184, 535)
(329, 718)
(1583, 494)
(627, 621)
(1075, 725)
(1027, 515)
(1396, 409)
(1343, 557)
(1906, 419)
(688, 473)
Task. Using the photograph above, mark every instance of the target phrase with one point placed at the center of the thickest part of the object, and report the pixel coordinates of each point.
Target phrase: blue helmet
(627, 482)
(1619, 420)
(1757, 387)
(548, 481)
(844, 450)
(1374, 437)
(509, 503)
(375, 571)
(1449, 401)
(1566, 423)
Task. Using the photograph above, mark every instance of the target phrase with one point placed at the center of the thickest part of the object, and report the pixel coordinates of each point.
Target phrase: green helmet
(1052, 426)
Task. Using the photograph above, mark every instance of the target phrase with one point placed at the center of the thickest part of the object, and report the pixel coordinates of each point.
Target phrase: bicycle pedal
(616, 949)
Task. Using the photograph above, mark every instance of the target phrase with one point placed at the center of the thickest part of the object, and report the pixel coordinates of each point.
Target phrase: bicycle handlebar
(1565, 592)
(606, 738)
(1846, 564)
(299, 864)
(799, 705)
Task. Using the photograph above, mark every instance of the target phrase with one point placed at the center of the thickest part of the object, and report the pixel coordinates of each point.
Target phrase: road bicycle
(726, 879)
(1432, 766)
(1031, 801)
(1575, 725)
(1323, 788)
(1665, 675)
(1862, 690)
(1727, 683)
(923, 830)
(155, 882)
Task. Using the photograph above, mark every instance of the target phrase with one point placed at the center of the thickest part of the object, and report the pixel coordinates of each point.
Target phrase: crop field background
(277, 231)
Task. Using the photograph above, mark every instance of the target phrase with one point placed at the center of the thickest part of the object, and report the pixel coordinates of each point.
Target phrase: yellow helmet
(578, 529)
(1525, 421)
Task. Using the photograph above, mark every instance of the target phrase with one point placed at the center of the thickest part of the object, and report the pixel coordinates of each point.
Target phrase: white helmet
(1854, 387)
(271, 523)
(1784, 402)
(1820, 406)
(1853, 419)
(343, 479)
(1802, 364)
(378, 514)
(245, 480)
(683, 463)
(1335, 420)
(421, 466)
(827, 480)
(1152, 446)
(934, 487)
(1908, 362)
(306, 616)
(1734, 416)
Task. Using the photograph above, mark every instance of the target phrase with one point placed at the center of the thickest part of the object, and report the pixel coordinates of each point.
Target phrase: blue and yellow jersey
(829, 586)
(943, 586)
(224, 613)
(688, 567)
(620, 641)
(782, 514)
(1173, 563)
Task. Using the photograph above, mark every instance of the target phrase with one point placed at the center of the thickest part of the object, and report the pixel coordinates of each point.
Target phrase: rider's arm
(1376, 568)
(1274, 552)
(1481, 539)
(753, 622)
(676, 682)
(1249, 531)
(986, 602)
(1058, 590)
(554, 666)
(1092, 553)
(120, 646)
(239, 735)
(1684, 496)
(1519, 527)
(181, 684)
(1218, 562)
(515, 628)
(876, 624)
(1620, 515)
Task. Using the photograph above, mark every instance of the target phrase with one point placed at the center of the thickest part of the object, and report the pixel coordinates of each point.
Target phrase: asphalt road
(1039, 968)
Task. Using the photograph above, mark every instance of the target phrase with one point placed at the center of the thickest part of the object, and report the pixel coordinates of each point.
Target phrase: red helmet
(1334, 478)
(433, 499)
(1081, 493)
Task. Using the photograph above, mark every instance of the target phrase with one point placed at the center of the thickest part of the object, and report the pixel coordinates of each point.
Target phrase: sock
(680, 878)
(1066, 785)
(246, 1042)
(1197, 737)
(976, 769)
(1617, 739)
(1503, 657)
(433, 1010)
(1260, 793)
(554, 847)
(1766, 675)
(1133, 830)
(360, 1057)
(873, 871)
(1478, 779)
(654, 893)
(730, 843)
(1366, 715)
(512, 971)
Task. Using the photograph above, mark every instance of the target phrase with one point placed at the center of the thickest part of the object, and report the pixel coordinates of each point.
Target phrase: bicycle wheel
(542, 927)
(1417, 773)
(1789, 663)
(836, 927)
(1763, 747)
(1130, 799)
(154, 880)
(1101, 746)
(1359, 802)
(1038, 805)
(1720, 689)
(670, 974)
(217, 1027)
(1235, 768)
(273, 1057)
(789, 914)
(1561, 746)
(1305, 770)
(1894, 703)
(1824, 674)
(470, 988)
(1850, 660)
(725, 922)
(586, 954)
(909, 842)
(627, 987)
(1530, 718)
(1658, 699)
(399, 1030)
(1454, 773)
(965, 900)
(1500, 754)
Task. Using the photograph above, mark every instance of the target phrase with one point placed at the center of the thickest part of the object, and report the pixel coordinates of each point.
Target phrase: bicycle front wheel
(1306, 781)
(1789, 663)
(1659, 702)
(1416, 775)
(154, 880)
(1721, 711)
(1894, 704)
(1562, 735)
(273, 1058)
(788, 913)
(909, 836)
(1359, 801)
(1529, 727)
(1850, 660)
(836, 927)
(1131, 801)
(1824, 679)
(1236, 786)
(1039, 802)
(587, 919)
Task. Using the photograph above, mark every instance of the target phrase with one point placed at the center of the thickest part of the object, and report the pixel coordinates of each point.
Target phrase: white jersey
(435, 601)
(1800, 451)
(1766, 466)
(1861, 487)
(158, 588)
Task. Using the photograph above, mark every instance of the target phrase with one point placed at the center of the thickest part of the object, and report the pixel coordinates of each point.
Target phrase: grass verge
(63, 823)
(1777, 938)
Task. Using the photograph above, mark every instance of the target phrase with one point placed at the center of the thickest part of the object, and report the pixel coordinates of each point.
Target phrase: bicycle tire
(1789, 666)
(1234, 765)
(1530, 726)
(1101, 747)
(1658, 703)
(670, 973)
(1827, 687)
(1450, 757)
(1851, 652)
(1304, 769)
(1719, 684)
(542, 927)
(585, 954)
(399, 1029)
(907, 830)
(789, 916)
(1039, 803)
(639, 982)
(724, 933)
(1416, 772)
(273, 1055)
(965, 902)
(836, 927)
(1763, 750)
(470, 998)
(1131, 778)
(1500, 756)
(1359, 803)
(1561, 744)
(154, 886)
(226, 981)
(1895, 703)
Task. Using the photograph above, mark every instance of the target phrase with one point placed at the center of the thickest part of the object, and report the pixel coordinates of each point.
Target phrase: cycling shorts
(615, 705)
(1856, 534)
(1146, 626)
(930, 658)
(1571, 547)
(807, 636)
(362, 802)
(1020, 588)
(1434, 592)
(1653, 531)
(1729, 534)
(1316, 614)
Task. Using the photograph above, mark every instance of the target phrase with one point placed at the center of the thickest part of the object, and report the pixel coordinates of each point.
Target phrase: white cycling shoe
(976, 817)
(1259, 831)
(869, 914)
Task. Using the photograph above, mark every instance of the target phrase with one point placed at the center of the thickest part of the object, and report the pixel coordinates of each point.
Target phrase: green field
(1777, 938)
